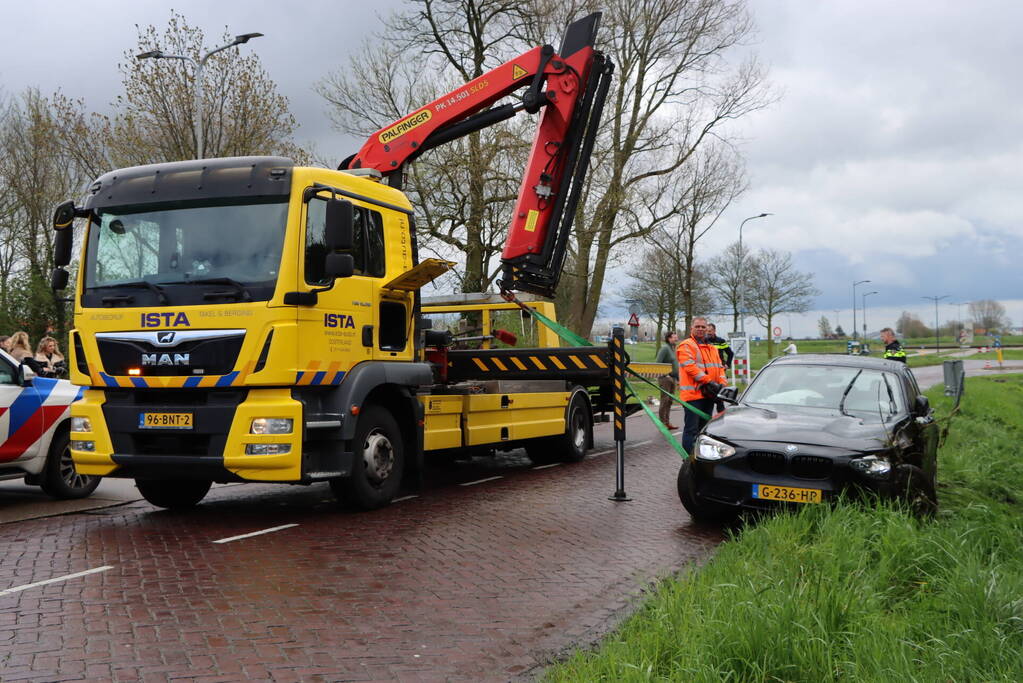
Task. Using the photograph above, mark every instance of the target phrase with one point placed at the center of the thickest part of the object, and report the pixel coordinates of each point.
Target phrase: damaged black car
(810, 427)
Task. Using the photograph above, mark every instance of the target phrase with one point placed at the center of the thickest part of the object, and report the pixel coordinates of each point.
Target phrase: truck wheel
(59, 478)
(378, 465)
(701, 511)
(175, 494)
(570, 446)
(917, 491)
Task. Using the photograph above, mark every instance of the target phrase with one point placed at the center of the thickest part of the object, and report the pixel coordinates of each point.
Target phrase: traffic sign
(777, 331)
(634, 308)
(634, 320)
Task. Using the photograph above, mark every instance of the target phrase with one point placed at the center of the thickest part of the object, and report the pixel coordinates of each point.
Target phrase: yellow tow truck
(246, 319)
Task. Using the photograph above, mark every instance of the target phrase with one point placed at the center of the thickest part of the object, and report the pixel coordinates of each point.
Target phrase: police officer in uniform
(892, 348)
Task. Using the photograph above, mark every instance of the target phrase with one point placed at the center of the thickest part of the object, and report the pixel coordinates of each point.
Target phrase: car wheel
(174, 494)
(570, 446)
(378, 464)
(701, 511)
(917, 491)
(60, 478)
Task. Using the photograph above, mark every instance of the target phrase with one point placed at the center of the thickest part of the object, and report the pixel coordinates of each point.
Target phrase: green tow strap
(665, 432)
(575, 340)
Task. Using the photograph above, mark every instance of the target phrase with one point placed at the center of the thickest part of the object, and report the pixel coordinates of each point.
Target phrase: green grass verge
(854, 593)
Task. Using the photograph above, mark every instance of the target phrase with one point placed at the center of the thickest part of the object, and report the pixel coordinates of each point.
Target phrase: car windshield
(860, 392)
(223, 242)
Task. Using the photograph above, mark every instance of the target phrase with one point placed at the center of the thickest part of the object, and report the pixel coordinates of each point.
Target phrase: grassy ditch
(854, 592)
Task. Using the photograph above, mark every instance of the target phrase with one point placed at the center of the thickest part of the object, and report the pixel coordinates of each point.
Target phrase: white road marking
(613, 450)
(58, 579)
(398, 500)
(255, 533)
(480, 481)
(543, 467)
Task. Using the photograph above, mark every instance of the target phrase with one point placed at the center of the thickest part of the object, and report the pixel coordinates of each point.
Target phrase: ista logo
(168, 319)
(338, 320)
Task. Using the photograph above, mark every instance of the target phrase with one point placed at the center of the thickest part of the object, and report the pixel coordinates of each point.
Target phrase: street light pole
(863, 298)
(742, 261)
(937, 338)
(854, 333)
(200, 143)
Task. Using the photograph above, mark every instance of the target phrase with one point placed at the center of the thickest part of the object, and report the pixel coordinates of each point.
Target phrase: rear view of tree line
(52, 147)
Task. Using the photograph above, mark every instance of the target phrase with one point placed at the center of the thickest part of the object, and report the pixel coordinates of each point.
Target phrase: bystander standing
(669, 382)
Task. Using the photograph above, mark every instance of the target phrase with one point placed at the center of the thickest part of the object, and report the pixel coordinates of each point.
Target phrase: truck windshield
(160, 255)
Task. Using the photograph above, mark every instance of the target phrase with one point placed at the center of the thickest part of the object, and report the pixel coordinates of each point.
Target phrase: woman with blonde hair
(20, 346)
(49, 356)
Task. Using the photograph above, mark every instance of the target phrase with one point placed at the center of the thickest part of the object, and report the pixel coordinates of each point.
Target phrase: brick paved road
(463, 582)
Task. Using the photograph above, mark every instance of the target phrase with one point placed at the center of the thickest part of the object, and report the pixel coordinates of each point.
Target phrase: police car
(35, 421)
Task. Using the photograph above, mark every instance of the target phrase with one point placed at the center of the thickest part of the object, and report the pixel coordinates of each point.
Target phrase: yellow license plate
(788, 494)
(165, 420)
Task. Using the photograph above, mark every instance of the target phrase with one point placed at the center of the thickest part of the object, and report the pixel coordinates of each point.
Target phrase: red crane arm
(576, 81)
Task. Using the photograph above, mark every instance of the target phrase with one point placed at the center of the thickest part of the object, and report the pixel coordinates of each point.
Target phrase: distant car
(809, 427)
(35, 420)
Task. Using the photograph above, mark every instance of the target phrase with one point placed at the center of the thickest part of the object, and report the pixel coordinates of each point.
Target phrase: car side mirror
(729, 394)
(337, 225)
(28, 372)
(921, 406)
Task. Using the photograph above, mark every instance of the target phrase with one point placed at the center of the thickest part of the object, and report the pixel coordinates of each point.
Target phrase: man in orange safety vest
(701, 375)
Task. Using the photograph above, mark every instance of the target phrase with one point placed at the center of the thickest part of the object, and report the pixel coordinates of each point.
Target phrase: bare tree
(824, 327)
(35, 175)
(778, 288)
(910, 325)
(730, 276)
(989, 315)
(464, 190)
(673, 92)
(153, 120)
(700, 191)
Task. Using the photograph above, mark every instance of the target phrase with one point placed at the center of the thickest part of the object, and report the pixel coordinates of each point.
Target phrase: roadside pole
(618, 394)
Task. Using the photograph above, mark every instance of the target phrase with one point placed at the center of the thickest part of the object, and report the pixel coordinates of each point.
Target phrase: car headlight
(873, 465)
(712, 449)
(81, 424)
(271, 425)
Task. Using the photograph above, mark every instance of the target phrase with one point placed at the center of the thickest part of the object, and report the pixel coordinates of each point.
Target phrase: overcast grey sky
(895, 153)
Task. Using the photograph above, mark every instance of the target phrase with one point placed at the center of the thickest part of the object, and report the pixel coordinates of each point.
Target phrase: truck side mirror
(337, 225)
(63, 218)
(64, 215)
(339, 265)
(59, 279)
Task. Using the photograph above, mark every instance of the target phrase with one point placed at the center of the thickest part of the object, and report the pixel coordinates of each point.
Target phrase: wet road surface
(493, 569)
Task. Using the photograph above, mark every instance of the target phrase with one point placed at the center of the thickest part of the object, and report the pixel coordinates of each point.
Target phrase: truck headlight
(271, 425)
(712, 449)
(87, 446)
(267, 448)
(873, 465)
(81, 424)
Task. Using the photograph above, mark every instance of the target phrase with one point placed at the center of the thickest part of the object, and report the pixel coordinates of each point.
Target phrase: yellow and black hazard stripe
(553, 363)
